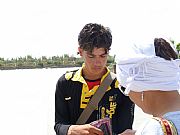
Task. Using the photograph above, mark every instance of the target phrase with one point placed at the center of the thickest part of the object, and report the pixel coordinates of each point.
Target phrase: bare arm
(128, 132)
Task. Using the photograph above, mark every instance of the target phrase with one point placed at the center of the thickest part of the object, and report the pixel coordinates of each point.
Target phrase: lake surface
(27, 101)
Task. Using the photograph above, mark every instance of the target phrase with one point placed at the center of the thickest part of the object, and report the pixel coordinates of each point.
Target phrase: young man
(74, 89)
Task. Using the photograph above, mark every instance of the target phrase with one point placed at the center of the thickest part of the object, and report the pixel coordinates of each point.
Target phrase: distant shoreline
(15, 68)
(28, 62)
(111, 67)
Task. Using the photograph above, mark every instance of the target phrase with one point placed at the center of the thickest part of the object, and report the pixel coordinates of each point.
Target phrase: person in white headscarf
(150, 76)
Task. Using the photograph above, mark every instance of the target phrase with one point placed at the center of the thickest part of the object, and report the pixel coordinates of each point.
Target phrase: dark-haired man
(74, 89)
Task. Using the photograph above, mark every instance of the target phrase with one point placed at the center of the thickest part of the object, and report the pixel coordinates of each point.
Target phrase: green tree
(178, 48)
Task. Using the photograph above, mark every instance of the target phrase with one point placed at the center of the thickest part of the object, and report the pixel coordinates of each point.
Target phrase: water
(27, 101)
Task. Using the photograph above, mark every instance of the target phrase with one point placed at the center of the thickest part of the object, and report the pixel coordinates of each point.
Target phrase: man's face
(95, 61)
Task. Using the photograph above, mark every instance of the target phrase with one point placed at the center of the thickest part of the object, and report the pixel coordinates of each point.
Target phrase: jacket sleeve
(61, 110)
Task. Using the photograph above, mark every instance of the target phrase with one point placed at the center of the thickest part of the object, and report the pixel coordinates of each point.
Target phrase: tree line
(29, 62)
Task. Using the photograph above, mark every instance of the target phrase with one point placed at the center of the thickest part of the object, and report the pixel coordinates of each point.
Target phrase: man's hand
(86, 129)
(128, 132)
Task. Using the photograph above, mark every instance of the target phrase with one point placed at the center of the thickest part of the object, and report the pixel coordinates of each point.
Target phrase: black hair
(164, 50)
(95, 35)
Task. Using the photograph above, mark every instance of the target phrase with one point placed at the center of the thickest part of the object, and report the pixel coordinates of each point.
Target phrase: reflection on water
(27, 101)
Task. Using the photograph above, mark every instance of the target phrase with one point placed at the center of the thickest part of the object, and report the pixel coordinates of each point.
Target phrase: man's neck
(93, 76)
(169, 103)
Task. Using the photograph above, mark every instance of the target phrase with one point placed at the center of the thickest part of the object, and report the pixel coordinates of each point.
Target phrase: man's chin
(97, 71)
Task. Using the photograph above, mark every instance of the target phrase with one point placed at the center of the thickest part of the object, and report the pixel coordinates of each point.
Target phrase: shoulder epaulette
(69, 74)
(116, 84)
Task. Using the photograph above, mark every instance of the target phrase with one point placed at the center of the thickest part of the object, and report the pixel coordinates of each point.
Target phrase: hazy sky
(51, 27)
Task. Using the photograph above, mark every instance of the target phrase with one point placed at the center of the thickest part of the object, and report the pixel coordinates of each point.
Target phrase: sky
(51, 27)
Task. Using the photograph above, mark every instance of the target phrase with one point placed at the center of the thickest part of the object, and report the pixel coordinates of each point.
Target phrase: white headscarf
(143, 71)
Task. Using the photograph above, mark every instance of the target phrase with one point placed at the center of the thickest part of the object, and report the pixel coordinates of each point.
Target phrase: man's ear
(80, 50)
